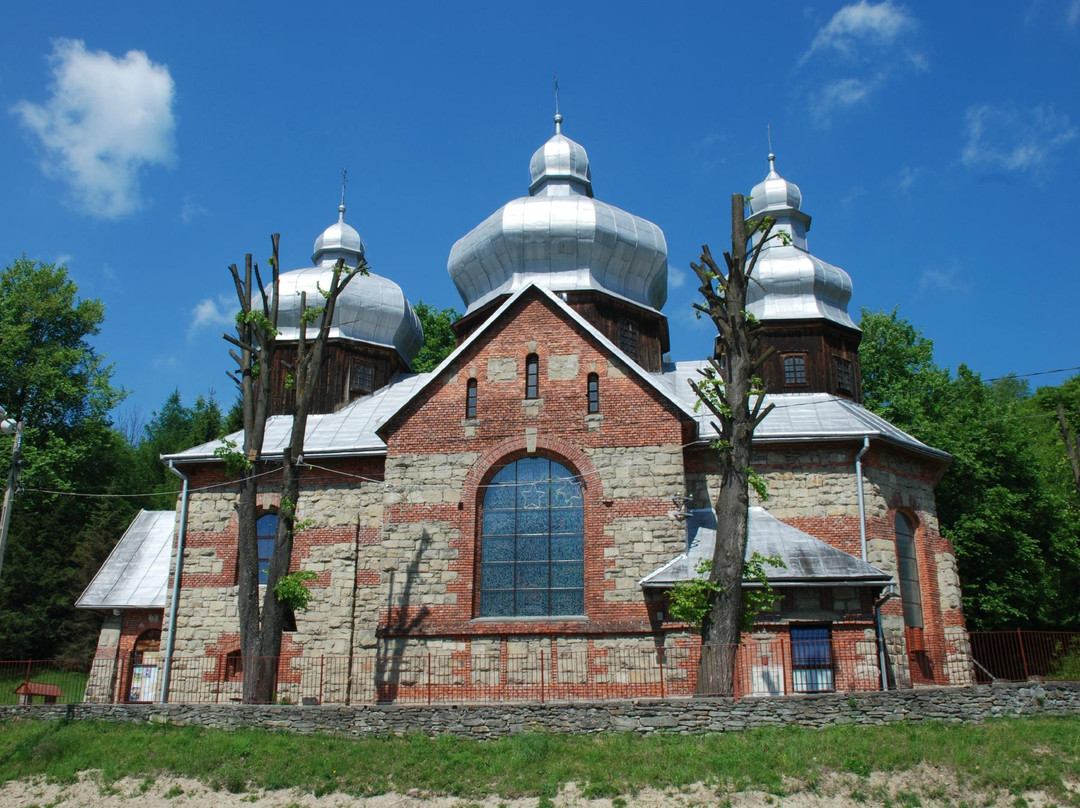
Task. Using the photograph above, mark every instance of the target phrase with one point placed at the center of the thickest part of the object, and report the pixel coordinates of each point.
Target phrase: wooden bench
(27, 690)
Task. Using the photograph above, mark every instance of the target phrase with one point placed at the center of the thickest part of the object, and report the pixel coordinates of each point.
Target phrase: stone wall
(971, 704)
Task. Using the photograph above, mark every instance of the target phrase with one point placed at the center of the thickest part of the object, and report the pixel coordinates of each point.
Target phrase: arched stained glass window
(532, 543)
(908, 568)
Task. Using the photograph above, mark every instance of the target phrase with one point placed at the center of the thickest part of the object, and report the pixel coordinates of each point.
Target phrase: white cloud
(213, 313)
(105, 120)
(942, 280)
(1072, 14)
(1007, 138)
(190, 210)
(861, 23)
(676, 277)
(839, 95)
(906, 179)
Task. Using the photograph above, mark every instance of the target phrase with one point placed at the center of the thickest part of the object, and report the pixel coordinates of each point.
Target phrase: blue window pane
(567, 548)
(532, 575)
(533, 523)
(567, 575)
(810, 647)
(497, 604)
(567, 520)
(497, 576)
(532, 549)
(498, 550)
(565, 493)
(498, 523)
(533, 603)
(499, 496)
(564, 601)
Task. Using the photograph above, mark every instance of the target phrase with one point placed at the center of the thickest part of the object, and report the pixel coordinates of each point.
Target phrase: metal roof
(353, 430)
(797, 416)
(809, 560)
(136, 573)
(561, 238)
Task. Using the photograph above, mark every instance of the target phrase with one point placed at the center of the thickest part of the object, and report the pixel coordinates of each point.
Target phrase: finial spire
(558, 116)
(344, 185)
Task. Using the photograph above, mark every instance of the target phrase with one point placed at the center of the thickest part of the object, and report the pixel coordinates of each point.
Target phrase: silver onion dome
(790, 283)
(561, 238)
(371, 308)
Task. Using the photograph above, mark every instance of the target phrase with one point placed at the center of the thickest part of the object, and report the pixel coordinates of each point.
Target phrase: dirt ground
(925, 786)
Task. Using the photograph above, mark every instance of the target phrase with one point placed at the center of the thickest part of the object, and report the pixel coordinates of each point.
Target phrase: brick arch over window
(594, 509)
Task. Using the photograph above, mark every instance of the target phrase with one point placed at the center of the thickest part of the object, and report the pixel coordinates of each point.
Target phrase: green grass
(72, 683)
(1006, 756)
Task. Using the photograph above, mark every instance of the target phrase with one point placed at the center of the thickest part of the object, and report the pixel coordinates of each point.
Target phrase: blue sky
(150, 145)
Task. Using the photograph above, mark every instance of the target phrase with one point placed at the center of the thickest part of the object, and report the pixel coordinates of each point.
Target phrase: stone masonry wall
(969, 704)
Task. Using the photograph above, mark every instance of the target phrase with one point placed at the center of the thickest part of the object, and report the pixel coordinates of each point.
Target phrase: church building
(510, 524)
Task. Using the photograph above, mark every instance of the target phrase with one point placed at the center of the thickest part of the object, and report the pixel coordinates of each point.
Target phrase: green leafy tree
(1003, 502)
(52, 378)
(439, 339)
(171, 429)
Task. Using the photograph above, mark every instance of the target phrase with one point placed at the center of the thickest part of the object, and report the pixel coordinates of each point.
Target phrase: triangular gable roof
(650, 380)
(136, 573)
(809, 560)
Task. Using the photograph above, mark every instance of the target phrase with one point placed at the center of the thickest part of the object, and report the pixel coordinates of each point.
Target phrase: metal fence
(564, 671)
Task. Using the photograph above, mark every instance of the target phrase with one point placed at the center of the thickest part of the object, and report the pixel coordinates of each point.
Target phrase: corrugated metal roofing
(136, 573)
(352, 430)
(808, 559)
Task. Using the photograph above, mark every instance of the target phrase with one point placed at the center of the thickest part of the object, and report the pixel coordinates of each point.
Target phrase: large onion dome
(561, 238)
(789, 282)
(371, 308)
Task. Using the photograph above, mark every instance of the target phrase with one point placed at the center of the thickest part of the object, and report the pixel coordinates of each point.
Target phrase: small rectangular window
(628, 338)
(811, 660)
(594, 393)
(844, 375)
(795, 369)
(532, 376)
(363, 378)
(470, 398)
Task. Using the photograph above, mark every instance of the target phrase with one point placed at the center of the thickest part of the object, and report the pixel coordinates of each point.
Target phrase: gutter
(859, 488)
(170, 645)
(887, 594)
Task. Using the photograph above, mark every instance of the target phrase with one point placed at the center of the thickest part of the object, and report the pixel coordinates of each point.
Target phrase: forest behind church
(1008, 501)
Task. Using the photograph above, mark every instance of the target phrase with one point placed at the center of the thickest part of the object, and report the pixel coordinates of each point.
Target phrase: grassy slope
(1009, 755)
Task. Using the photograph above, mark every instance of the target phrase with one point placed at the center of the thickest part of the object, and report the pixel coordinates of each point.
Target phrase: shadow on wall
(391, 663)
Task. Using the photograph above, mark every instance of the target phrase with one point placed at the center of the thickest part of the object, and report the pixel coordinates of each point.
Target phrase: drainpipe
(887, 594)
(862, 504)
(177, 572)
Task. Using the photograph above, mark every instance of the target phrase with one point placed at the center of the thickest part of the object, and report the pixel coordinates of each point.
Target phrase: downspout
(862, 503)
(888, 594)
(170, 645)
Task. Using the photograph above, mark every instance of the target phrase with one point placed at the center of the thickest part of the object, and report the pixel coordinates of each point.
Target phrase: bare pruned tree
(733, 393)
(254, 348)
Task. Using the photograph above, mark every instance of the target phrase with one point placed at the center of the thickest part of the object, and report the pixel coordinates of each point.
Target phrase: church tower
(801, 303)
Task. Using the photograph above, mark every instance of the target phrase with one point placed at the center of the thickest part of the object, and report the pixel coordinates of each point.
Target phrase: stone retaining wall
(971, 704)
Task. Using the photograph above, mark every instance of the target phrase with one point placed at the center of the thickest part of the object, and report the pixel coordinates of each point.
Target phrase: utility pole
(10, 427)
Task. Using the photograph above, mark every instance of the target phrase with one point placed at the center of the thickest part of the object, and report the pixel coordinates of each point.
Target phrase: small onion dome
(339, 240)
(560, 159)
(774, 193)
(370, 309)
(560, 238)
(790, 283)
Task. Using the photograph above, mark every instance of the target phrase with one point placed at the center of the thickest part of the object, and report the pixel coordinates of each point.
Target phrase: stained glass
(497, 550)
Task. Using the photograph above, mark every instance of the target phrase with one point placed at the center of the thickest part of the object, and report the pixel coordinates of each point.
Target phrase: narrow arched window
(532, 541)
(907, 564)
(470, 398)
(266, 534)
(532, 376)
(594, 393)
